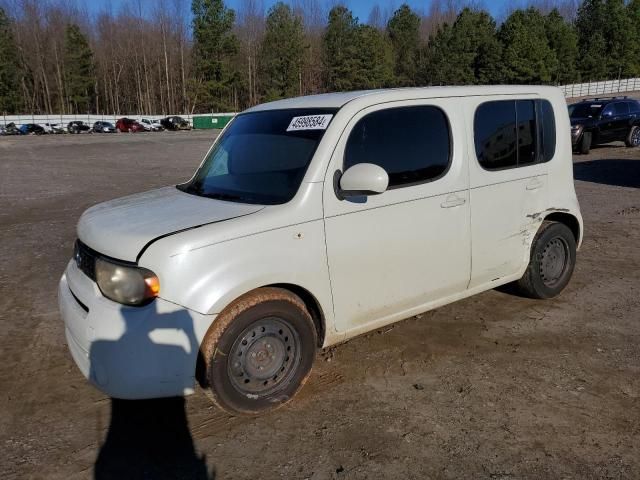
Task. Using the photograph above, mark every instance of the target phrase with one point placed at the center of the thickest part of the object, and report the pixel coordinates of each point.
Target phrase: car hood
(121, 228)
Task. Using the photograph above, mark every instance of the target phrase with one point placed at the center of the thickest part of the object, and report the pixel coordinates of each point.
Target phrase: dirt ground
(495, 386)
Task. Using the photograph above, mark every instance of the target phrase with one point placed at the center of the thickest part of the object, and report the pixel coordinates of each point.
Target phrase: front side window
(634, 107)
(261, 157)
(514, 133)
(620, 108)
(412, 144)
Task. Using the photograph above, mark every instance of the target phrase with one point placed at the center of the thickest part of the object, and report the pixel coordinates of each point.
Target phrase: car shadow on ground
(615, 172)
(148, 439)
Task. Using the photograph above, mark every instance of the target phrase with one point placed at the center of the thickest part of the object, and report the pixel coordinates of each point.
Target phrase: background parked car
(52, 127)
(151, 125)
(78, 126)
(32, 129)
(103, 127)
(175, 123)
(128, 125)
(603, 120)
(12, 129)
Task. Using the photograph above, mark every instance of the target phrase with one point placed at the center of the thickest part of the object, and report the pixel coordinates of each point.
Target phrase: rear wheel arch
(569, 220)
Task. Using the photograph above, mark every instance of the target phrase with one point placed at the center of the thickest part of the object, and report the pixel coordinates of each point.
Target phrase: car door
(408, 247)
(508, 184)
(613, 122)
(621, 121)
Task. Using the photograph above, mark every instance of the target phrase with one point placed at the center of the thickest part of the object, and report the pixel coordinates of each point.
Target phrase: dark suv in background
(603, 120)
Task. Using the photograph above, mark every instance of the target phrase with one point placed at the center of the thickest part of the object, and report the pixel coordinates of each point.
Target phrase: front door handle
(534, 184)
(452, 201)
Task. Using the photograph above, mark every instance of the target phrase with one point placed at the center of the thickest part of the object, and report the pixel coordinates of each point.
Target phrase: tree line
(202, 56)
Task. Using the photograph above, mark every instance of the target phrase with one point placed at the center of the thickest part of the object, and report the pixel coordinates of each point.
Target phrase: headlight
(125, 284)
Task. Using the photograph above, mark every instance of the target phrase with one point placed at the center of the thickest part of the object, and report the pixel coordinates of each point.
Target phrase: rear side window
(547, 127)
(634, 107)
(412, 144)
(514, 133)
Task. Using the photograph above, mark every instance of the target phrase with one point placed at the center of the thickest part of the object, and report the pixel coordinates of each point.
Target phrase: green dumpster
(211, 121)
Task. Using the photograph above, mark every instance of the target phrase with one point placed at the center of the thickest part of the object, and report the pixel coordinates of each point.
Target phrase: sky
(360, 8)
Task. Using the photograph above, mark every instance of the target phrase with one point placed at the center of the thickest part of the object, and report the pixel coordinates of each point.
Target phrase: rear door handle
(534, 184)
(453, 201)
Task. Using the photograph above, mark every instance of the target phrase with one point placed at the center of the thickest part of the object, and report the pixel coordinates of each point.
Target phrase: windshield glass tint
(585, 110)
(257, 160)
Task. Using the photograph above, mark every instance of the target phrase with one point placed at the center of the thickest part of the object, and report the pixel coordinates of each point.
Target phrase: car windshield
(261, 157)
(585, 110)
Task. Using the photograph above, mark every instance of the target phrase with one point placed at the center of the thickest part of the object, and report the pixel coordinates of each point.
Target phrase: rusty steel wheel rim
(264, 357)
(554, 261)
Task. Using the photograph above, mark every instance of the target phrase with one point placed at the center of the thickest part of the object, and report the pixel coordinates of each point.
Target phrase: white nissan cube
(315, 219)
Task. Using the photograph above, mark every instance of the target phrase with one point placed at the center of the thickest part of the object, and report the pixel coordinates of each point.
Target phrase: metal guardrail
(601, 88)
(570, 91)
(90, 119)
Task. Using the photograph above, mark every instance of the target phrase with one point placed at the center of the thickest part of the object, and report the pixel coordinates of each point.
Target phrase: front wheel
(553, 258)
(258, 353)
(633, 139)
(585, 143)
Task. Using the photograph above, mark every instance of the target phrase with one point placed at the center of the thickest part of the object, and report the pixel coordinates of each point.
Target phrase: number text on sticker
(309, 122)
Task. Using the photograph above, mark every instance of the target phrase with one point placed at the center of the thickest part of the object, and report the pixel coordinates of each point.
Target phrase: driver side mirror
(363, 179)
(607, 114)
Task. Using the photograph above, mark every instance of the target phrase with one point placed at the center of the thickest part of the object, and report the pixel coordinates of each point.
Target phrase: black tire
(258, 353)
(553, 258)
(585, 143)
(633, 139)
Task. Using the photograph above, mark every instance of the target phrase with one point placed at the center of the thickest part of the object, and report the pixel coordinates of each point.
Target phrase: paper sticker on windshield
(309, 122)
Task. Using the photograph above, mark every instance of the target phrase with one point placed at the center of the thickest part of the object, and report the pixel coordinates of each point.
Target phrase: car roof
(606, 100)
(339, 99)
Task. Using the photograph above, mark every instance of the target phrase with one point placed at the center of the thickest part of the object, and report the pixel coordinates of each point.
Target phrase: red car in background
(128, 125)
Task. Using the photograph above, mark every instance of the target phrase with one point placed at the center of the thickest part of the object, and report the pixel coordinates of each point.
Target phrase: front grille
(85, 259)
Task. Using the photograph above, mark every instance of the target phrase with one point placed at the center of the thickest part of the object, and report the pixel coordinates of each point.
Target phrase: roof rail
(599, 99)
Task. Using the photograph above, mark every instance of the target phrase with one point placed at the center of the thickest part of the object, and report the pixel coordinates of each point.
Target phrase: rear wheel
(585, 143)
(553, 258)
(633, 139)
(258, 353)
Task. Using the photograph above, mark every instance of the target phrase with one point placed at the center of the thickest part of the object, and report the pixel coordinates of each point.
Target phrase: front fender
(209, 278)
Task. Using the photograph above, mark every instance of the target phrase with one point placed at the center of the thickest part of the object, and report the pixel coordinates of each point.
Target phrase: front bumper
(130, 352)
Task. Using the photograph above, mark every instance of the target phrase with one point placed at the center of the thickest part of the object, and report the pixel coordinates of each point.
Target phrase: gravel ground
(494, 386)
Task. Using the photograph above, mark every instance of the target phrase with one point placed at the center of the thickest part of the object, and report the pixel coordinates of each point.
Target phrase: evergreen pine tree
(404, 31)
(527, 57)
(78, 70)
(606, 44)
(563, 41)
(214, 48)
(282, 53)
(374, 59)
(634, 15)
(341, 50)
(464, 53)
(9, 68)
